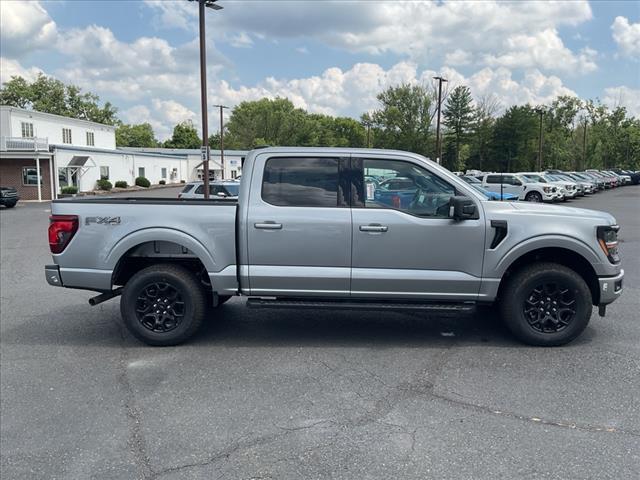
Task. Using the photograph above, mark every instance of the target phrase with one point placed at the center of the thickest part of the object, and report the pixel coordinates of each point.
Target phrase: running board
(337, 304)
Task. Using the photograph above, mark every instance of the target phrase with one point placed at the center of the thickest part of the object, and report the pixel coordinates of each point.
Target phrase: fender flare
(159, 234)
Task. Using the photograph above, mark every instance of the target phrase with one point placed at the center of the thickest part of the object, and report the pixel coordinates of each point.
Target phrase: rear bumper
(610, 288)
(52, 274)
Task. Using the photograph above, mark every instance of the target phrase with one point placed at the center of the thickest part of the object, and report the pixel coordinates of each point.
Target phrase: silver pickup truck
(339, 228)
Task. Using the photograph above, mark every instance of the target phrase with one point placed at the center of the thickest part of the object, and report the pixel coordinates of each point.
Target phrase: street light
(438, 142)
(221, 107)
(203, 89)
(540, 111)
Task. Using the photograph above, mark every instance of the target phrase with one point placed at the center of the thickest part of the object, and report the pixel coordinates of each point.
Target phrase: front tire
(163, 305)
(546, 304)
(533, 197)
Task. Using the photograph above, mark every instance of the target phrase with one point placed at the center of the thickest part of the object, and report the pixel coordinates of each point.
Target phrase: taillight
(62, 228)
(608, 241)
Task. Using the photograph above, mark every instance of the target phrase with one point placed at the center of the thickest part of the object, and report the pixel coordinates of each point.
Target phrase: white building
(80, 152)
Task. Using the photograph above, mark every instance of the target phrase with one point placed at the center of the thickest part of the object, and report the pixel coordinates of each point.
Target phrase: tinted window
(187, 188)
(411, 189)
(301, 182)
(200, 190)
(493, 179)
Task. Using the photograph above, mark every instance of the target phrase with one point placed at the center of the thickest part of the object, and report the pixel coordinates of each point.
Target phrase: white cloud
(625, 97)
(165, 114)
(241, 40)
(352, 92)
(627, 36)
(12, 68)
(172, 111)
(24, 27)
(462, 32)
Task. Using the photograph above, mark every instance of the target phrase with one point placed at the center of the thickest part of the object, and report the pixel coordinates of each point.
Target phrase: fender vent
(500, 227)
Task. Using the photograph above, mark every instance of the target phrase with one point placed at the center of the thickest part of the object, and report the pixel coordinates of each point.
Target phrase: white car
(217, 189)
(567, 189)
(518, 185)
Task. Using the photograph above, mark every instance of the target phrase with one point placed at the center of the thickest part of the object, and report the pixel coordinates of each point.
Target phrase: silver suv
(217, 189)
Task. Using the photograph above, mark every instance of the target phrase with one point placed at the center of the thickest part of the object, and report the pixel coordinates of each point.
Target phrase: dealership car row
(548, 186)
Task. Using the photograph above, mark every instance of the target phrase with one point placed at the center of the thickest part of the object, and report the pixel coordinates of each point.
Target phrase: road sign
(204, 153)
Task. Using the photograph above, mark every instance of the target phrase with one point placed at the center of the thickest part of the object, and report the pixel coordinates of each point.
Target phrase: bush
(104, 185)
(69, 190)
(162, 182)
(183, 181)
(121, 184)
(143, 182)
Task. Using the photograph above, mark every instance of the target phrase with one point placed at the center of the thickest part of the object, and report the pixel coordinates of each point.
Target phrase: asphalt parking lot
(302, 394)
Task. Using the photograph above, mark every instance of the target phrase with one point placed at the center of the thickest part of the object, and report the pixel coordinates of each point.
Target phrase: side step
(348, 304)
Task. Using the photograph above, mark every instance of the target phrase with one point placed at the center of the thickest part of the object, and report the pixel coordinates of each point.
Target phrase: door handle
(374, 228)
(268, 226)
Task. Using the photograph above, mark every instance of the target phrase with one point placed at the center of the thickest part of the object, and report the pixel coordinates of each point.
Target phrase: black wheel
(546, 304)
(533, 197)
(163, 305)
(10, 205)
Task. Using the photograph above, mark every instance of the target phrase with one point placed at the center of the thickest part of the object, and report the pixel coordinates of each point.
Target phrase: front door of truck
(405, 246)
(298, 227)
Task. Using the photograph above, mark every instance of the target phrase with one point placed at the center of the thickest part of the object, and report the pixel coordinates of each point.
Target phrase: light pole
(221, 107)
(540, 111)
(366, 121)
(203, 90)
(438, 142)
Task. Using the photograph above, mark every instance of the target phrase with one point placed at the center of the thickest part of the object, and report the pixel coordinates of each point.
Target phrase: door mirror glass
(462, 208)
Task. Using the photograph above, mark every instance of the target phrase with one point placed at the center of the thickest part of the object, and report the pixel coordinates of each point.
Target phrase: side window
(493, 178)
(406, 187)
(301, 182)
(200, 190)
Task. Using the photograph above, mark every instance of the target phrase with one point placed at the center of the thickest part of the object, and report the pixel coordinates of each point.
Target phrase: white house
(79, 152)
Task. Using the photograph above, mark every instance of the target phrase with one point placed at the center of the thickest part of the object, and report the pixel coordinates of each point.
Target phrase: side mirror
(221, 195)
(463, 208)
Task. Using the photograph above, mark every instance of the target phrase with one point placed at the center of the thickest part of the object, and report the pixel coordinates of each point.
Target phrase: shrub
(121, 184)
(183, 181)
(69, 190)
(143, 182)
(162, 182)
(104, 185)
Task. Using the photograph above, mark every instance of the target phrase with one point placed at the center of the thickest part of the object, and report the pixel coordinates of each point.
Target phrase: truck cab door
(405, 245)
(298, 226)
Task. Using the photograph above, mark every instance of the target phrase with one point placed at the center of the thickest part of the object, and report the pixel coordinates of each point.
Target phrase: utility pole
(540, 112)
(203, 89)
(584, 145)
(366, 121)
(438, 140)
(221, 107)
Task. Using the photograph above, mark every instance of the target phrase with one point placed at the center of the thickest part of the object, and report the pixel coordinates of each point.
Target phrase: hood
(603, 218)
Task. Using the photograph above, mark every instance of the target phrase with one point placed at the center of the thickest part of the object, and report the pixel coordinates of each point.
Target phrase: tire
(173, 287)
(10, 205)
(531, 289)
(533, 197)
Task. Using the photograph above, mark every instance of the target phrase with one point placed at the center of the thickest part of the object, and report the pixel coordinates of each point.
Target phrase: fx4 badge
(102, 220)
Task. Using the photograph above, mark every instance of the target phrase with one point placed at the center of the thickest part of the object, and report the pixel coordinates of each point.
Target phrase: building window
(104, 173)
(27, 130)
(66, 135)
(141, 171)
(90, 139)
(163, 173)
(234, 174)
(30, 176)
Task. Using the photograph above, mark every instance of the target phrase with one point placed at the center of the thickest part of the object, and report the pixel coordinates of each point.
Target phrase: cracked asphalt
(309, 394)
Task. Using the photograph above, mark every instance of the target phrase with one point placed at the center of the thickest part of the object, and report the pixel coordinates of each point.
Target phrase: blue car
(477, 184)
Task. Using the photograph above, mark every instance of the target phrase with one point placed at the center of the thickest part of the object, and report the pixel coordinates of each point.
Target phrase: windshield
(233, 189)
(472, 180)
(534, 178)
(482, 191)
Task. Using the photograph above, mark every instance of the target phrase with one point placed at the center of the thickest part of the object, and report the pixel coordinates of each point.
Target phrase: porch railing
(20, 144)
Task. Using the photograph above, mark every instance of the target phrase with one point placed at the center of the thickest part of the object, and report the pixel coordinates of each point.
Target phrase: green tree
(184, 135)
(458, 116)
(49, 95)
(136, 136)
(514, 144)
(482, 130)
(404, 119)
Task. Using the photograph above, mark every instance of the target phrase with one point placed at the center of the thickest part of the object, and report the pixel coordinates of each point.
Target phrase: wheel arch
(560, 255)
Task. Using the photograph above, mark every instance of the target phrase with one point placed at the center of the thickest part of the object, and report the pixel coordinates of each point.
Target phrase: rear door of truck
(299, 226)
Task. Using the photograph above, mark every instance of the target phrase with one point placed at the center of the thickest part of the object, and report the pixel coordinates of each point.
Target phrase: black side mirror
(463, 208)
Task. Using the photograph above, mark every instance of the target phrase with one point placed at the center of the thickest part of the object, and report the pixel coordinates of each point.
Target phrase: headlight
(608, 241)
(546, 189)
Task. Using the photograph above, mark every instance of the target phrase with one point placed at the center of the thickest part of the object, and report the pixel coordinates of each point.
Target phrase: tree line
(477, 134)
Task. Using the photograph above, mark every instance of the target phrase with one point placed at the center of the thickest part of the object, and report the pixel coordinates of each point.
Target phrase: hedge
(143, 182)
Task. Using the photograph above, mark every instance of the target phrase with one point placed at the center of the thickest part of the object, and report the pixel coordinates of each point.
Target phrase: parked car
(567, 190)
(477, 184)
(633, 176)
(217, 189)
(8, 197)
(296, 239)
(610, 181)
(526, 189)
(601, 183)
(587, 185)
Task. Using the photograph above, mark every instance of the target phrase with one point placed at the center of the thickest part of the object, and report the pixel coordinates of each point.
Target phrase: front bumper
(610, 288)
(52, 274)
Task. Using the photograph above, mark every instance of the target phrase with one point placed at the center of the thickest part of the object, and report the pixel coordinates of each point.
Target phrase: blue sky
(328, 57)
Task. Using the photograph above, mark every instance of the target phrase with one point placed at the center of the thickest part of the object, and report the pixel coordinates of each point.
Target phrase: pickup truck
(305, 232)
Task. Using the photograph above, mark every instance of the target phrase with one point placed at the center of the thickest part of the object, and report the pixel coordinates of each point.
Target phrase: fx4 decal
(102, 220)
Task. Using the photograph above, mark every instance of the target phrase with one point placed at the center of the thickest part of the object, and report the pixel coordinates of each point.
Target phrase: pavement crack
(136, 441)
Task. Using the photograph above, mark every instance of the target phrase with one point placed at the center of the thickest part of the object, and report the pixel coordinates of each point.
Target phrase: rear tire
(533, 197)
(546, 304)
(10, 205)
(163, 305)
